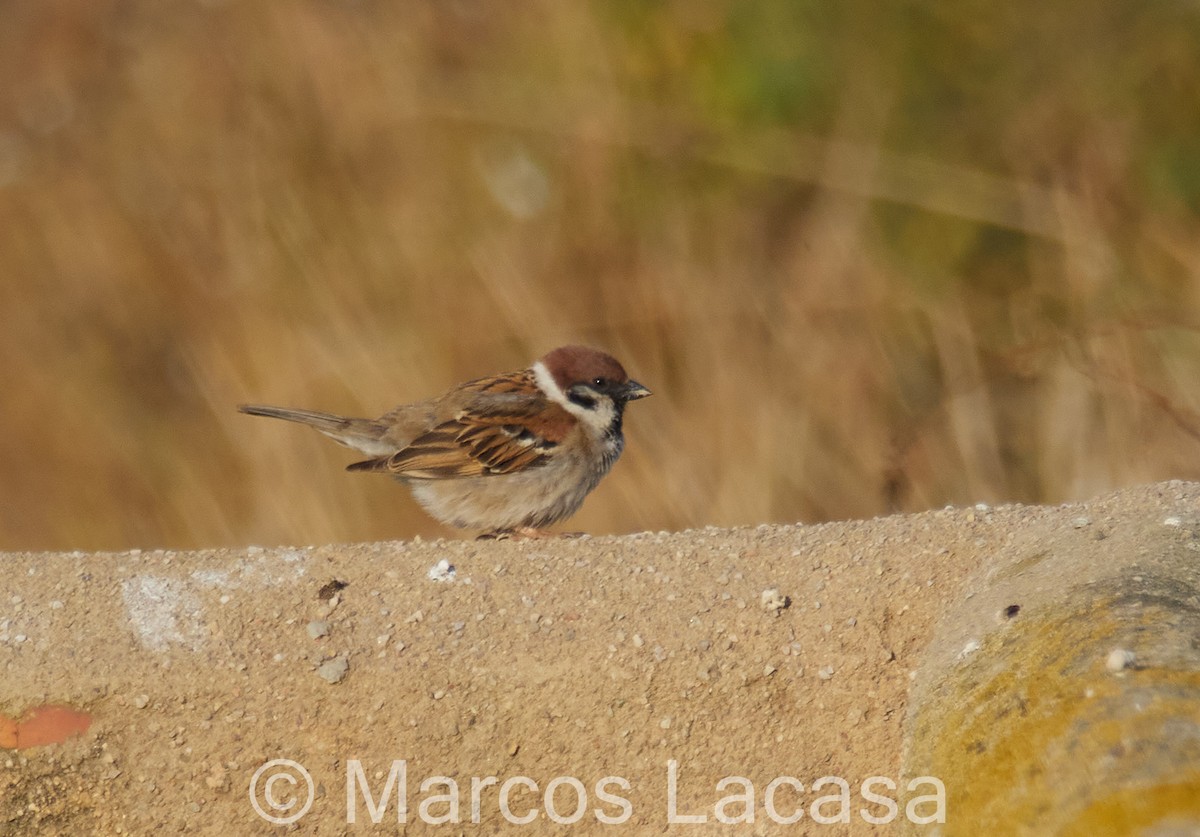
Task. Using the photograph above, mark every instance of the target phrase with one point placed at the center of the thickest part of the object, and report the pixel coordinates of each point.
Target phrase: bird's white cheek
(545, 382)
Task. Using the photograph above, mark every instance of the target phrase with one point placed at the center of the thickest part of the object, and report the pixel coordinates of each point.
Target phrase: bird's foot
(526, 533)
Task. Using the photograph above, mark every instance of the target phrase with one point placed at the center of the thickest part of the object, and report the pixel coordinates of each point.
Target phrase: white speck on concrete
(257, 571)
(212, 578)
(443, 570)
(1119, 659)
(162, 611)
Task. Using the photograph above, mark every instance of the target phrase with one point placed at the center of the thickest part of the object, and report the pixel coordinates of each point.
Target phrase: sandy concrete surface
(595, 668)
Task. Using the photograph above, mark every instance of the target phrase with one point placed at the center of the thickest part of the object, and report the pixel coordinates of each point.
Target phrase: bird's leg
(525, 533)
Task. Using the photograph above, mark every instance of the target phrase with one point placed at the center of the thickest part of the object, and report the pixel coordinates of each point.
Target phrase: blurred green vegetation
(869, 257)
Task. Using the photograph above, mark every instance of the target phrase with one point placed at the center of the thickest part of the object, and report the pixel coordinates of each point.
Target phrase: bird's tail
(358, 433)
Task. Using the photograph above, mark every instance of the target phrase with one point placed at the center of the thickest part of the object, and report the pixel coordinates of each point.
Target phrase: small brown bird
(508, 454)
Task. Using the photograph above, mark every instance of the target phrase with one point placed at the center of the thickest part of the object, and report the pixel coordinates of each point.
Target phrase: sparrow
(509, 454)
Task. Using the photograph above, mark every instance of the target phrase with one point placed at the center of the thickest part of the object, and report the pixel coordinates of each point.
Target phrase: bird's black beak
(633, 391)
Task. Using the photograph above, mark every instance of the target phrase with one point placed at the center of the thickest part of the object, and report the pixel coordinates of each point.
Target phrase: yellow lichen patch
(1031, 734)
(1172, 807)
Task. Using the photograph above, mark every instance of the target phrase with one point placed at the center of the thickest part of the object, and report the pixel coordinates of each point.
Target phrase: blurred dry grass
(869, 258)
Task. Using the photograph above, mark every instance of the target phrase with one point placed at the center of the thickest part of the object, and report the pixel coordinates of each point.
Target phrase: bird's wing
(496, 433)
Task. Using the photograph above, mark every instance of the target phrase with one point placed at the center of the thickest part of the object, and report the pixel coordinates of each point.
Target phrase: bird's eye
(600, 382)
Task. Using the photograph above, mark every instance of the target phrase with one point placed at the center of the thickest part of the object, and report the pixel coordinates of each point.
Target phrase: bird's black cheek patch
(582, 399)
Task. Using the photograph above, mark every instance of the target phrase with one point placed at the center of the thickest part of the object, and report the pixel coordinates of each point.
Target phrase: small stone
(1119, 659)
(638, 642)
(773, 601)
(334, 670)
(217, 780)
(141, 701)
(825, 673)
(331, 588)
(416, 616)
(1081, 522)
(442, 571)
(317, 629)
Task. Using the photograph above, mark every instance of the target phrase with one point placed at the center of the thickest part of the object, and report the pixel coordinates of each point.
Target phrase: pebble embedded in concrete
(334, 670)
(1119, 659)
(773, 601)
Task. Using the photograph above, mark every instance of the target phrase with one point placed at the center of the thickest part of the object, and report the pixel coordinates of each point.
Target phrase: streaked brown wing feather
(505, 430)
(513, 383)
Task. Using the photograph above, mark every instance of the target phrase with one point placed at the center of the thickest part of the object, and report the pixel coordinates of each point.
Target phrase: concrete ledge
(637, 674)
